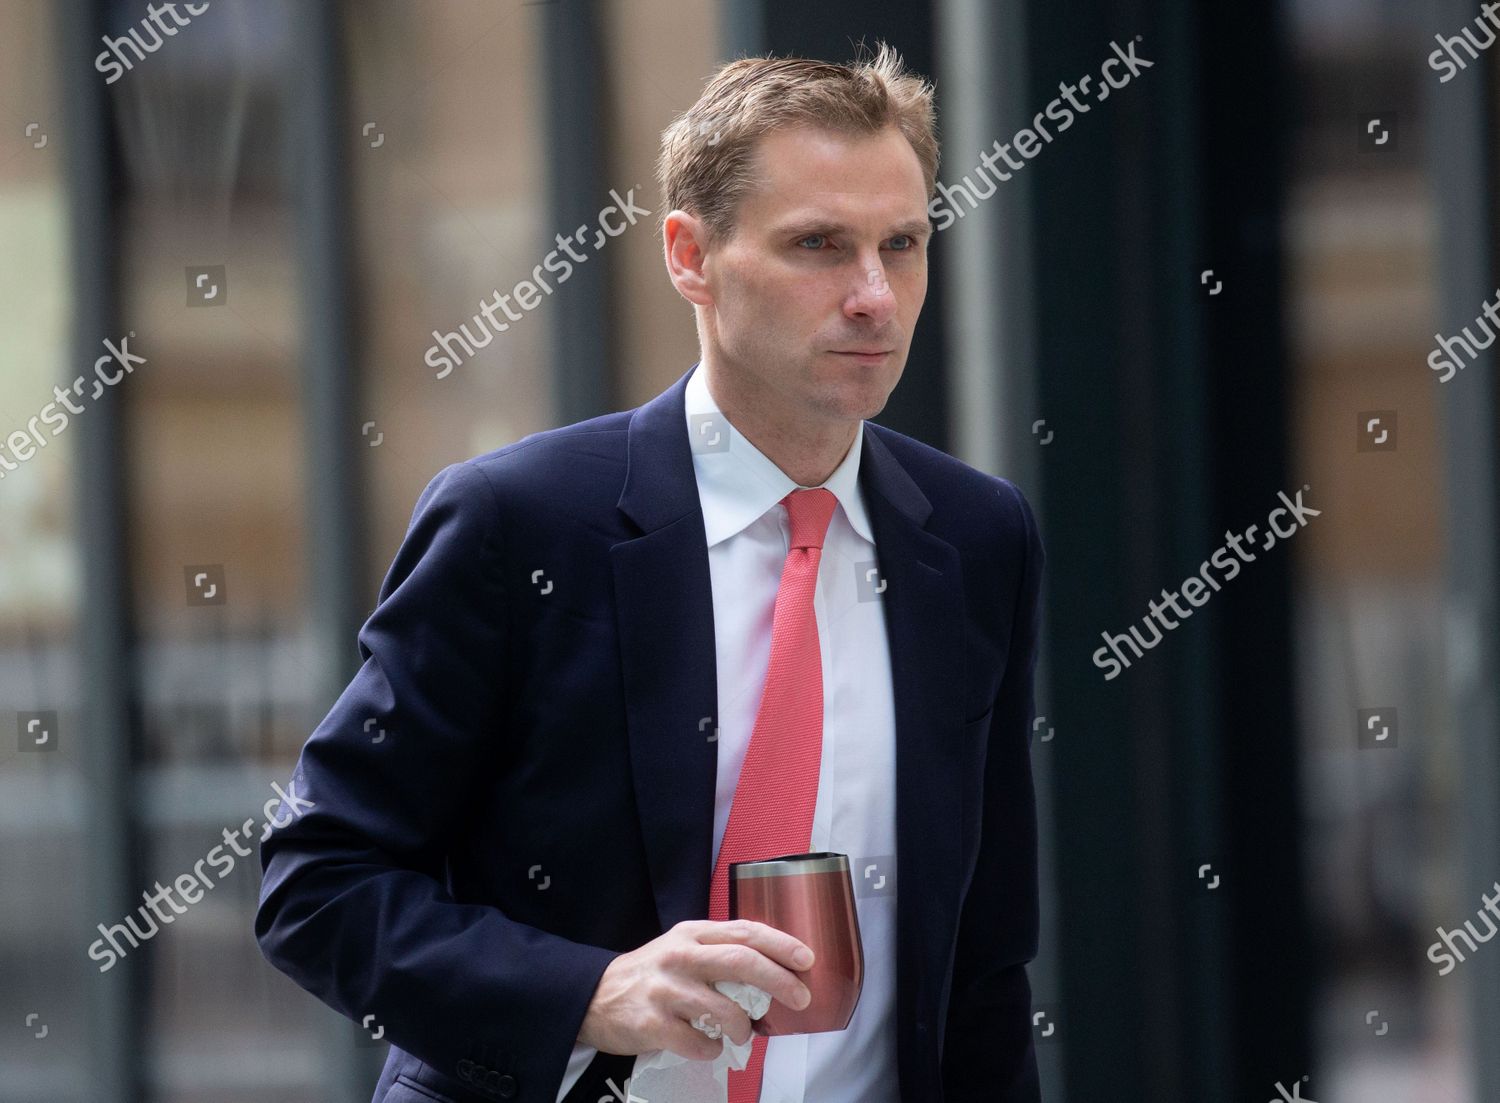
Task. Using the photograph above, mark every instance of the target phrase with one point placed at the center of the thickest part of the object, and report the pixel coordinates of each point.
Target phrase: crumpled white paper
(662, 1076)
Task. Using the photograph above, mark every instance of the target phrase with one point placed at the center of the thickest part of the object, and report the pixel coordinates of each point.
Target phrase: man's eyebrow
(915, 228)
(813, 225)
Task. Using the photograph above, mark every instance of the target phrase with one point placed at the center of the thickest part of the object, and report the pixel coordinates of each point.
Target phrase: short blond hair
(705, 163)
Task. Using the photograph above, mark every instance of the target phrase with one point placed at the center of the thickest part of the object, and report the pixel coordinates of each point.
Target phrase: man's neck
(808, 452)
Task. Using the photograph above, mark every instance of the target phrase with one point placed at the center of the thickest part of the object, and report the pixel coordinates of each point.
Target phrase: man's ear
(684, 239)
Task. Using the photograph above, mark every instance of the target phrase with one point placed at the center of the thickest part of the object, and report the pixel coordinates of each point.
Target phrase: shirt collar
(737, 485)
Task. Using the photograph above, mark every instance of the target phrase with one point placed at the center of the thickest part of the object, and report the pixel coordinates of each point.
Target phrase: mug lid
(788, 865)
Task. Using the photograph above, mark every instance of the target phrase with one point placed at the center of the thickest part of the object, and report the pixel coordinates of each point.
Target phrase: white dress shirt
(748, 535)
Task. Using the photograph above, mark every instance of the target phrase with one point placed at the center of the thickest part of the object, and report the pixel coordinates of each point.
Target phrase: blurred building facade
(1220, 284)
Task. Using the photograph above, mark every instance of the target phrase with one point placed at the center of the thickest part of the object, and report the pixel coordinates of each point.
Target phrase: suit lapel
(664, 606)
(924, 617)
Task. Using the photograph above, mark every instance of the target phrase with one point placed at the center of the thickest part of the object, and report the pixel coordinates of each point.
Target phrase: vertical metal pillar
(110, 734)
(578, 183)
(1461, 157)
(1189, 757)
(321, 129)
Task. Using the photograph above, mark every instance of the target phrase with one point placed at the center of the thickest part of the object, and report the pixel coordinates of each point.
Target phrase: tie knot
(810, 511)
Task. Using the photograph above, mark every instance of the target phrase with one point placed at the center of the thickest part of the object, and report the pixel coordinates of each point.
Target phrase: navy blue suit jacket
(516, 788)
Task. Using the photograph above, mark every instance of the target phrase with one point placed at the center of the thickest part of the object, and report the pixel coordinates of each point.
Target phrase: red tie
(772, 812)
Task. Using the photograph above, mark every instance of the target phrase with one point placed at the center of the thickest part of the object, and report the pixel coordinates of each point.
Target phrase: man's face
(816, 292)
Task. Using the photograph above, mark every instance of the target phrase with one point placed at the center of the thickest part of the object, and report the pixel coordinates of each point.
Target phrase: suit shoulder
(592, 436)
(952, 484)
(569, 468)
(558, 460)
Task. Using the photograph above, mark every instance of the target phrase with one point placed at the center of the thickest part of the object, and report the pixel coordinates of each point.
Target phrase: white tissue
(662, 1076)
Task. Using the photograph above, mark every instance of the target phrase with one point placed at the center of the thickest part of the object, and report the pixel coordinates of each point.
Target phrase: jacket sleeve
(353, 905)
(988, 1051)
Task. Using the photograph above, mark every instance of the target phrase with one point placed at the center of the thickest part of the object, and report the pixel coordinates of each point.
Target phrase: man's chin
(860, 406)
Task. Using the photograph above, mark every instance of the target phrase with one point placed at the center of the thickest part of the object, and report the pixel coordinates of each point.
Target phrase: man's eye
(819, 238)
(910, 242)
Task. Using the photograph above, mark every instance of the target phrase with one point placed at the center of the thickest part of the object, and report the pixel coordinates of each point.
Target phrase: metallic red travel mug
(811, 897)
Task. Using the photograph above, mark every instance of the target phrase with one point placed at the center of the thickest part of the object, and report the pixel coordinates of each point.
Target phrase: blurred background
(1222, 282)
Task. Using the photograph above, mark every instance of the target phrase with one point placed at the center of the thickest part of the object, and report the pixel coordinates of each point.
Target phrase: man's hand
(649, 998)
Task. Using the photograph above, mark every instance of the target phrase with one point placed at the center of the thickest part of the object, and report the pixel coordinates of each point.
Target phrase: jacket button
(506, 1086)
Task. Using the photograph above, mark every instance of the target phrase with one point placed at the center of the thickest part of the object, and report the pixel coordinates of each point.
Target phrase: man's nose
(871, 295)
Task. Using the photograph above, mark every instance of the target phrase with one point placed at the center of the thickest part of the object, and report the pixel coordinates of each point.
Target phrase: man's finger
(775, 944)
(744, 963)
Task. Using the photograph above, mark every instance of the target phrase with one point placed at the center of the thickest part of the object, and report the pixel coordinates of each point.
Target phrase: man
(736, 622)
